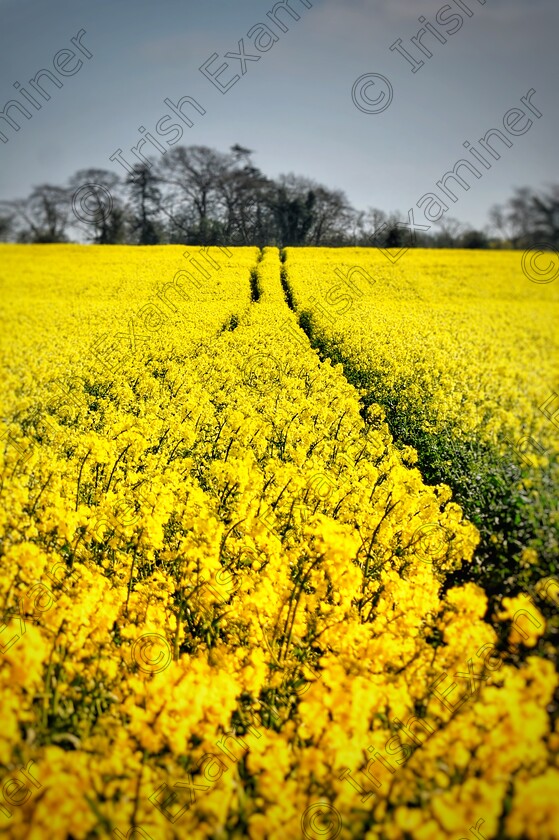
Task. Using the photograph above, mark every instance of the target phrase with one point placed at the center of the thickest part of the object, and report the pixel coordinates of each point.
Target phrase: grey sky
(293, 106)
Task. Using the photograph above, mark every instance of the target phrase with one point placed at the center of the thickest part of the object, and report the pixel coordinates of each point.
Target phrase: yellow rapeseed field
(229, 596)
(462, 350)
(460, 338)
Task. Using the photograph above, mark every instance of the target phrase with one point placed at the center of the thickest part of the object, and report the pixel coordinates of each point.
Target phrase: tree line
(196, 195)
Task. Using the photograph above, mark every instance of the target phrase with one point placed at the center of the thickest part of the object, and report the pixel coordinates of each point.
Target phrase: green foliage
(514, 506)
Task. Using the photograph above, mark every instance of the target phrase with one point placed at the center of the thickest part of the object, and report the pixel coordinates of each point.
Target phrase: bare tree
(374, 222)
(333, 217)
(517, 220)
(145, 199)
(97, 205)
(449, 232)
(41, 217)
(546, 213)
(189, 178)
(243, 191)
(6, 228)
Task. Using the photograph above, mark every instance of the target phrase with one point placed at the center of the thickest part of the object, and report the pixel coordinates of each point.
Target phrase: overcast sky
(294, 105)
